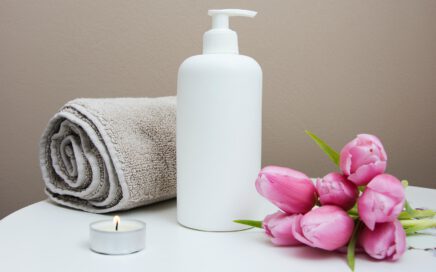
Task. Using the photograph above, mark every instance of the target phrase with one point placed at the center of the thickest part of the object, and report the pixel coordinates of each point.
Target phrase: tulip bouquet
(361, 206)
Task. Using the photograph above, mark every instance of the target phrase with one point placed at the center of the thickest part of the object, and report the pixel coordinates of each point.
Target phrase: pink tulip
(363, 158)
(278, 226)
(386, 241)
(335, 189)
(327, 227)
(288, 189)
(382, 201)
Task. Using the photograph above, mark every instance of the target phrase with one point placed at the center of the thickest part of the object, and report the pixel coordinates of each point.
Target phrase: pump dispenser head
(220, 39)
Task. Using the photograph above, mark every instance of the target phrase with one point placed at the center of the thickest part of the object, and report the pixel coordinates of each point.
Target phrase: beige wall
(335, 67)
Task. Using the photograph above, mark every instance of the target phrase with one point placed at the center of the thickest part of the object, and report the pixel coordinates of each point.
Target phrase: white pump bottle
(219, 116)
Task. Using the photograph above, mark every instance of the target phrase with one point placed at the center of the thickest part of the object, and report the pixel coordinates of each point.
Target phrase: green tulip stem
(411, 226)
(410, 212)
(418, 214)
(351, 248)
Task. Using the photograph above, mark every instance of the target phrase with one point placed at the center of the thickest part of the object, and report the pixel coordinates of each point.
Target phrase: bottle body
(219, 119)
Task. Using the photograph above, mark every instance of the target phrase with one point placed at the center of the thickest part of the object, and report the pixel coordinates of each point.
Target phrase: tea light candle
(114, 237)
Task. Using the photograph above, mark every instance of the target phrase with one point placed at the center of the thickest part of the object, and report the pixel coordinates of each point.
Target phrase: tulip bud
(288, 189)
(386, 241)
(327, 227)
(335, 189)
(278, 226)
(363, 158)
(382, 201)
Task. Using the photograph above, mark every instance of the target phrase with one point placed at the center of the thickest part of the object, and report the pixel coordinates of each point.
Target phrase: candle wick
(116, 226)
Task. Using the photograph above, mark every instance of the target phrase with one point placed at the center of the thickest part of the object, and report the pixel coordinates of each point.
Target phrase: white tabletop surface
(46, 237)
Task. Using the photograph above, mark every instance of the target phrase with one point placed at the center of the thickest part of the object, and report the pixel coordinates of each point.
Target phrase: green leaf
(351, 249)
(334, 156)
(252, 223)
(409, 208)
(353, 210)
(405, 183)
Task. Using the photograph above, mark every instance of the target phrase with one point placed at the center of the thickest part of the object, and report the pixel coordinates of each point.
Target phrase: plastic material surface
(219, 122)
(219, 127)
(220, 39)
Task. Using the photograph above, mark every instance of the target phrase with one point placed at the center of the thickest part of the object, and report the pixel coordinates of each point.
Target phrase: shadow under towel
(104, 155)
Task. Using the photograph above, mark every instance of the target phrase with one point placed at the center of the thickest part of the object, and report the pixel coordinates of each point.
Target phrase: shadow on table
(163, 207)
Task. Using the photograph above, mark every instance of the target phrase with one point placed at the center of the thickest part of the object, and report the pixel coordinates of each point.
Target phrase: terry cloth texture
(104, 155)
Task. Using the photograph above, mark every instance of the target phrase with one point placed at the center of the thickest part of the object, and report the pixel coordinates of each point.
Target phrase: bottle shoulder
(220, 60)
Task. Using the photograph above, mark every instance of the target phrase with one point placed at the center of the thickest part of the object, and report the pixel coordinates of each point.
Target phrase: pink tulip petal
(365, 173)
(283, 171)
(377, 242)
(290, 190)
(345, 158)
(317, 227)
(382, 200)
(297, 231)
(372, 139)
(388, 185)
(386, 241)
(363, 158)
(364, 206)
(363, 155)
(335, 189)
(282, 231)
(390, 191)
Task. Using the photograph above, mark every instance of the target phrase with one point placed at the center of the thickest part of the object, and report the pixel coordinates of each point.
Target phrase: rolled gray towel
(104, 155)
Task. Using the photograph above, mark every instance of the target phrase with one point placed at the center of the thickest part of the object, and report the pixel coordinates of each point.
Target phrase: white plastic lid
(220, 39)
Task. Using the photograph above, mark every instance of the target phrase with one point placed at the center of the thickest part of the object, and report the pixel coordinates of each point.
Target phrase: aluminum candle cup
(116, 237)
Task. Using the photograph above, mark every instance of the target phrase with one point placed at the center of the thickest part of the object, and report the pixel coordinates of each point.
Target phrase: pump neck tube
(220, 39)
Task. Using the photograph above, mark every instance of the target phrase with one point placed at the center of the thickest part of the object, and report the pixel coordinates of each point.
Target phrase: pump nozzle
(221, 39)
(220, 17)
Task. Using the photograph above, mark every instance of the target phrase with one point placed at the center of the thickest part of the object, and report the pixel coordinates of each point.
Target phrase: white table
(46, 237)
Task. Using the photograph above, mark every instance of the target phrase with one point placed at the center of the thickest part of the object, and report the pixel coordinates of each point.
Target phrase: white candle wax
(106, 238)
